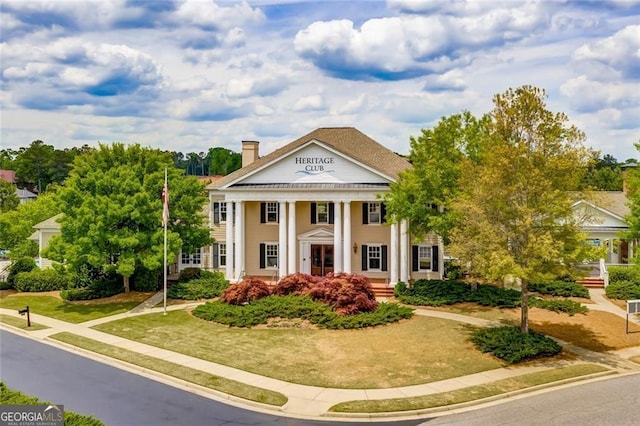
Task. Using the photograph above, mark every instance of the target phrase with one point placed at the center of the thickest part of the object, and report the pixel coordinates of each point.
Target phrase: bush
(560, 288)
(40, 280)
(623, 290)
(96, 290)
(559, 305)
(619, 273)
(246, 291)
(347, 294)
(293, 306)
(4, 285)
(298, 283)
(489, 295)
(23, 264)
(439, 293)
(188, 274)
(145, 280)
(400, 289)
(202, 288)
(512, 346)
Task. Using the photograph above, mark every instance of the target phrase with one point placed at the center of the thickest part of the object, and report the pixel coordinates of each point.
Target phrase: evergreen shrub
(23, 264)
(619, 273)
(145, 280)
(96, 290)
(559, 305)
(188, 274)
(40, 280)
(513, 346)
(560, 288)
(201, 288)
(623, 290)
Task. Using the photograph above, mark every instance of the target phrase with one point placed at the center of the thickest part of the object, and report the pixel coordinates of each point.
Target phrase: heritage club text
(314, 163)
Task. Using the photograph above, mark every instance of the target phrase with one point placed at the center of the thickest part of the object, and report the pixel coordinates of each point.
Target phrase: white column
(282, 239)
(337, 237)
(404, 257)
(292, 238)
(393, 279)
(346, 252)
(239, 241)
(229, 242)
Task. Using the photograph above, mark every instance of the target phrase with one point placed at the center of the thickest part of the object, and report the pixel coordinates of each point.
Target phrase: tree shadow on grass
(575, 334)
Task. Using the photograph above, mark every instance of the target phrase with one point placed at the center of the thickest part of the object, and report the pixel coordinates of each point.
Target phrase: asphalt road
(117, 397)
(614, 401)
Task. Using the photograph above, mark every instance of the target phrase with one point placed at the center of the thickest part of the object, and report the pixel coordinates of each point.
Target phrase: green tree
(222, 161)
(423, 193)
(604, 174)
(112, 211)
(8, 198)
(515, 206)
(6, 159)
(32, 165)
(633, 194)
(17, 225)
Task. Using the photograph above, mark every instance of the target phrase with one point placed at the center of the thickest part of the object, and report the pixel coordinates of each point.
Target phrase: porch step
(592, 282)
(382, 290)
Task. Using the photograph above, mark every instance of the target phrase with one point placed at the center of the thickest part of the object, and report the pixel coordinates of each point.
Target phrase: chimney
(249, 152)
(625, 171)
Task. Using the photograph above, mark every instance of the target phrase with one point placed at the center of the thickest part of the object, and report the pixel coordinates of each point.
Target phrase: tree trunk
(524, 308)
(126, 284)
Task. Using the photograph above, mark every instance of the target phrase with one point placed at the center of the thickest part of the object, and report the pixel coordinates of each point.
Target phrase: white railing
(604, 274)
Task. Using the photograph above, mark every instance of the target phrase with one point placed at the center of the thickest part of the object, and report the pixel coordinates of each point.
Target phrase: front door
(321, 259)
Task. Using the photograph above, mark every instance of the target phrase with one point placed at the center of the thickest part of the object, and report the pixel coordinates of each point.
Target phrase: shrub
(511, 345)
(624, 290)
(202, 288)
(188, 274)
(560, 288)
(298, 283)
(4, 285)
(400, 289)
(489, 295)
(619, 273)
(145, 280)
(40, 280)
(436, 292)
(23, 264)
(293, 306)
(347, 294)
(246, 291)
(559, 305)
(96, 290)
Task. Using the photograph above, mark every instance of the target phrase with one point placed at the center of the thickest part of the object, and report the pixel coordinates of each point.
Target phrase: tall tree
(8, 198)
(515, 208)
(222, 161)
(33, 165)
(423, 193)
(112, 211)
(632, 180)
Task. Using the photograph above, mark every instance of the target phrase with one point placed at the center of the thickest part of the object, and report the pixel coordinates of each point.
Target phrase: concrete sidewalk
(311, 401)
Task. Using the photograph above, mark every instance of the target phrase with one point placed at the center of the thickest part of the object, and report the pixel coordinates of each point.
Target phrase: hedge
(623, 290)
(560, 288)
(511, 345)
(201, 288)
(96, 290)
(40, 280)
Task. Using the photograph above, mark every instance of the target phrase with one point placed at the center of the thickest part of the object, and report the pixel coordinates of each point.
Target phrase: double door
(321, 259)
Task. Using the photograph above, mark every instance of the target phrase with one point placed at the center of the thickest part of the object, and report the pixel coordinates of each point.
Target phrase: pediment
(314, 162)
(317, 234)
(593, 216)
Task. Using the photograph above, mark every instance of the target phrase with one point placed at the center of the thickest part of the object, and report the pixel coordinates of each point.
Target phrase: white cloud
(618, 54)
(309, 103)
(207, 14)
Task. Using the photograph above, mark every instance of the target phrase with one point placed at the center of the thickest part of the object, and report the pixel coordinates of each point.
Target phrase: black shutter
(384, 258)
(313, 213)
(216, 255)
(263, 212)
(263, 255)
(332, 213)
(383, 213)
(435, 259)
(365, 213)
(365, 257)
(415, 264)
(216, 212)
(234, 213)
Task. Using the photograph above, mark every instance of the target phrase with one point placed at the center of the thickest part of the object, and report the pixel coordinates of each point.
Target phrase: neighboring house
(8, 175)
(43, 233)
(312, 206)
(25, 195)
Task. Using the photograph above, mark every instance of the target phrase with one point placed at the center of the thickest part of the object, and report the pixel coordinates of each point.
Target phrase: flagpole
(165, 242)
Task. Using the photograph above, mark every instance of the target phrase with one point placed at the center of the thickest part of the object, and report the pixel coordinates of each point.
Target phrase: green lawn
(65, 311)
(201, 378)
(21, 323)
(471, 393)
(419, 350)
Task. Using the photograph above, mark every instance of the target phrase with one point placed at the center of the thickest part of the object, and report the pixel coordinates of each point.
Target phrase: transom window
(322, 213)
(374, 257)
(271, 255)
(424, 258)
(272, 212)
(375, 215)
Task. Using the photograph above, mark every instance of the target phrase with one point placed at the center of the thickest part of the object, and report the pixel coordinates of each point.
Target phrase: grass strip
(20, 323)
(471, 393)
(65, 311)
(198, 377)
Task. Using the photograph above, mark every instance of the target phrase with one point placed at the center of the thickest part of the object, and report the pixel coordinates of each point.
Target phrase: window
(374, 257)
(424, 258)
(223, 212)
(373, 213)
(222, 254)
(322, 213)
(191, 258)
(268, 255)
(219, 212)
(269, 212)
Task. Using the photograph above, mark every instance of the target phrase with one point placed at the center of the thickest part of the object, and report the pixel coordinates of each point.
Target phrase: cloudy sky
(194, 74)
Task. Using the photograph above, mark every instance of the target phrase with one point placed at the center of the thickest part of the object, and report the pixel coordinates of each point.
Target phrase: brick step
(592, 282)
(382, 291)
